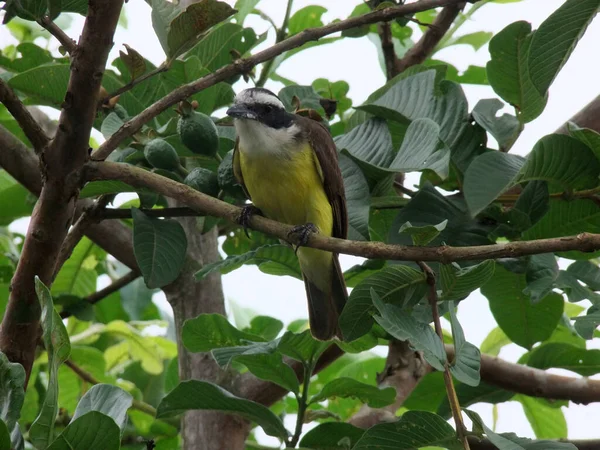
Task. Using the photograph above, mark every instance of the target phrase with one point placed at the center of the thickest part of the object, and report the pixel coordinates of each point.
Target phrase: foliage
(107, 376)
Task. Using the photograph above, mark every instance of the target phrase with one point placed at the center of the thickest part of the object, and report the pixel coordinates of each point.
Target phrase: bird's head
(260, 105)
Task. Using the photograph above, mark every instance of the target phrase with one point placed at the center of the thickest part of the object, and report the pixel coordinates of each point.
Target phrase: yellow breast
(288, 187)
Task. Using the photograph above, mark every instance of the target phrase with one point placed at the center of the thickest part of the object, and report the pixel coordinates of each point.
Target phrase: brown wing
(327, 155)
(237, 168)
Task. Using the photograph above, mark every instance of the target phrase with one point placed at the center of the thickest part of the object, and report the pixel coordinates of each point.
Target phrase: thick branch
(432, 36)
(581, 444)
(134, 176)
(69, 44)
(28, 124)
(392, 63)
(245, 65)
(588, 117)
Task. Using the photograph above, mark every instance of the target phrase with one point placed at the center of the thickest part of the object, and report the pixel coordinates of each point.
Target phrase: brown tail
(324, 308)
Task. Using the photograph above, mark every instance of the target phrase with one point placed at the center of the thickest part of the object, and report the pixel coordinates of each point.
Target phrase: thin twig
(452, 397)
(28, 124)
(246, 64)
(94, 298)
(392, 63)
(432, 36)
(76, 233)
(280, 36)
(207, 205)
(302, 404)
(400, 187)
(127, 87)
(66, 41)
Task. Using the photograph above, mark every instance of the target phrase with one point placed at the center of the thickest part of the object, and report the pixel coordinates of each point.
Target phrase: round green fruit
(162, 155)
(227, 181)
(168, 174)
(199, 133)
(203, 180)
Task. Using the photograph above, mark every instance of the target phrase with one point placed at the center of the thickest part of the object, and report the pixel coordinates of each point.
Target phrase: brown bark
(61, 160)
(588, 117)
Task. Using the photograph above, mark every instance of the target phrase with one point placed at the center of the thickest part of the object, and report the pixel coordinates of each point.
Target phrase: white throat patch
(257, 138)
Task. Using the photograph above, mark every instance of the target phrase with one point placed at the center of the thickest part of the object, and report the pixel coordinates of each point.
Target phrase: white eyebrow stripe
(249, 97)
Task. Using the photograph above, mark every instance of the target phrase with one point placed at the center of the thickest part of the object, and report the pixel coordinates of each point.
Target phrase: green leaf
(523, 322)
(302, 347)
(44, 85)
(556, 38)
(159, 247)
(415, 429)
(547, 422)
(270, 367)
(15, 200)
(589, 137)
(494, 341)
(307, 17)
(265, 327)
(587, 272)
(467, 360)
(542, 271)
(4, 436)
(457, 283)
(26, 9)
(531, 206)
(422, 236)
(78, 275)
(395, 284)
(306, 94)
(488, 176)
(12, 392)
(404, 327)
(476, 40)
(565, 356)
(357, 199)
(56, 341)
(92, 431)
(469, 395)
(347, 387)
(96, 188)
(202, 395)
(505, 129)
(244, 8)
(224, 355)
(328, 435)
(106, 399)
(210, 331)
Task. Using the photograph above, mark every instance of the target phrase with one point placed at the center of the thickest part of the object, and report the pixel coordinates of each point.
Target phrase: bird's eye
(268, 108)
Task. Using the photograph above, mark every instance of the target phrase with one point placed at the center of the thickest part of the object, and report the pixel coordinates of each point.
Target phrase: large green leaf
(56, 341)
(422, 236)
(302, 347)
(307, 17)
(210, 331)
(106, 399)
(270, 367)
(404, 327)
(328, 435)
(91, 431)
(523, 322)
(357, 199)
(467, 359)
(470, 395)
(395, 284)
(589, 137)
(587, 272)
(4, 436)
(505, 129)
(547, 422)
(45, 85)
(159, 247)
(195, 394)
(508, 70)
(12, 392)
(78, 275)
(415, 429)
(15, 200)
(494, 341)
(556, 38)
(347, 387)
(457, 282)
(565, 356)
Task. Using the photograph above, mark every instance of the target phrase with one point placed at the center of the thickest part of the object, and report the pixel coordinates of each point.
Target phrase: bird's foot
(304, 232)
(247, 212)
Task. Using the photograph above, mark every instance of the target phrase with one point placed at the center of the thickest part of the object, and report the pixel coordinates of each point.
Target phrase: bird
(287, 165)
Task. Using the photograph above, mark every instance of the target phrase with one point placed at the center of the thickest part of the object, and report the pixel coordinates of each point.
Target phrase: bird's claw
(247, 212)
(304, 231)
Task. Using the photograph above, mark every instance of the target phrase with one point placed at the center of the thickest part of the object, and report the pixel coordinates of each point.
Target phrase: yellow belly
(290, 190)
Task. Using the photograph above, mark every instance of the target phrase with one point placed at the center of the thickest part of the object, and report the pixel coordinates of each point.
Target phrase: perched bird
(288, 166)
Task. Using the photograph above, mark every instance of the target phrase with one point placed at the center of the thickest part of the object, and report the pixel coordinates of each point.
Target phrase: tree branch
(588, 117)
(62, 160)
(392, 63)
(94, 298)
(68, 43)
(116, 213)
(431, 37)
(134, 176)
(246, 64)
(28, 124)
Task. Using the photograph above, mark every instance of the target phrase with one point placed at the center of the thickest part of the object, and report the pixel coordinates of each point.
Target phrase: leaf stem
(452, 397)
(302, 405)
(280, 36)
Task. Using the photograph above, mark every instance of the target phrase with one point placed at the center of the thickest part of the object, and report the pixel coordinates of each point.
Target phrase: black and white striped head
(262, 105)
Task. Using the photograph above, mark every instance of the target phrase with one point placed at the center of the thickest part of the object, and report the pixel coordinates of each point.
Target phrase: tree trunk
(189, 298)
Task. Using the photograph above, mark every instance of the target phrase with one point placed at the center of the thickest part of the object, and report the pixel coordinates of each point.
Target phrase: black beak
(241, 112)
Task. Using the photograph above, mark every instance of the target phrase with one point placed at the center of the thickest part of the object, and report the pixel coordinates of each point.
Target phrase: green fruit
(203, 180)
(162, 155)
(168, 174)
(121, 112)
(227, 181)
(128, 155)
(198, 132)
